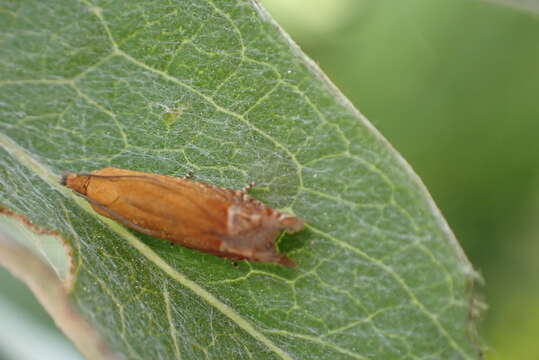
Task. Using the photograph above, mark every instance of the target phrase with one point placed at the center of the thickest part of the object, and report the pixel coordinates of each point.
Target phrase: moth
(215, 220)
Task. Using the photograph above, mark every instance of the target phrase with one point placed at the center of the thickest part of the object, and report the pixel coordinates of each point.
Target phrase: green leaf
(214, 86)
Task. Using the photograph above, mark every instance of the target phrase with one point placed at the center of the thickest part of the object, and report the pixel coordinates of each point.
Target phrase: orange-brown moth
(197, 215)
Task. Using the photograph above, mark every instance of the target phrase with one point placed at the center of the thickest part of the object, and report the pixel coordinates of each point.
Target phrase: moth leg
(188, 176)
(248, 187)
(233, 262)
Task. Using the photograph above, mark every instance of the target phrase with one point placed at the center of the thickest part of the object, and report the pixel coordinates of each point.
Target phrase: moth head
(76, 182)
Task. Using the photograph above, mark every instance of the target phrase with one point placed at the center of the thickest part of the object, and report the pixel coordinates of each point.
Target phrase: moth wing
(253, 235)
(103, 210)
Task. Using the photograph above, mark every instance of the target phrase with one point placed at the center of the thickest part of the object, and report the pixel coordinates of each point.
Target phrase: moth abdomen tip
(286, 261)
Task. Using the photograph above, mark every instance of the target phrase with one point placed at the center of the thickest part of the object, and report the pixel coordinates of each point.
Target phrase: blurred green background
(453, 85)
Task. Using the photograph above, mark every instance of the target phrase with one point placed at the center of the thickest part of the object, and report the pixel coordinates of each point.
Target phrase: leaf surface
(217, 88)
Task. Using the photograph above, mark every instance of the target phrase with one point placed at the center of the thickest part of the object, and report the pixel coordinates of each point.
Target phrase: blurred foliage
(19, 295)
(24, 322)
(453, 85)
(528, 5)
